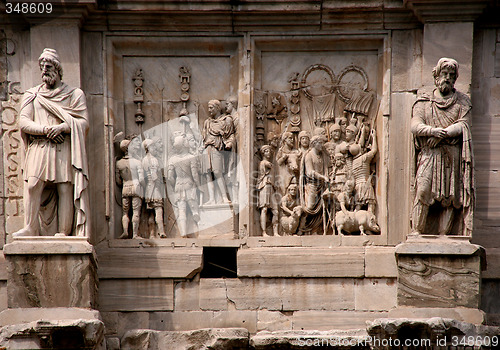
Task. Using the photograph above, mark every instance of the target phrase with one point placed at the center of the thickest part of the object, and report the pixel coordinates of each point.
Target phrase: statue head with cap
(51, 68)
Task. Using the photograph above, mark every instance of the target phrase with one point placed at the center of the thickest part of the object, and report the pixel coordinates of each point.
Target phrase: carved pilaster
(12, 161)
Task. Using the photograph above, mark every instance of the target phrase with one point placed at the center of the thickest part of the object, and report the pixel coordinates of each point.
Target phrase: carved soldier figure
(350, 139)
(266, 188)
(335, 134)
(339, 172)
(155, 187)
(444, 179)
(218, 138)
(54, 123)
(130, 176)
(183, 176)
(365, 194)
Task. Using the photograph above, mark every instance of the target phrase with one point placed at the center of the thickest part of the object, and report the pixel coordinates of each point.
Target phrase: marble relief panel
(176, 147)
(318, 141)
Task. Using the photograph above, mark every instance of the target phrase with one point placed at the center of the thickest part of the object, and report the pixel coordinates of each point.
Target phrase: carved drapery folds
(323, 175)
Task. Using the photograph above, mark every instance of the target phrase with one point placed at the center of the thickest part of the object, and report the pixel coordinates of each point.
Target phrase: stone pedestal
(51, 290)
(439, 272)
(218, 220)
(51, 272)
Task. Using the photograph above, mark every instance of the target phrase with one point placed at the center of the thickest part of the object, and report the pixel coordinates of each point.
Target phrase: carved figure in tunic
(130, 176)
(339, 172)
(291, 211)
(288, 159)
(335, 134)
(365, 194)
(54, 122)
(345, 197)
(444, 183)
(266, 188)
(304, 141)
(313, 181)
(183, 176)
(218, 138)
(155, 187)
(330, 150)
(350, 139)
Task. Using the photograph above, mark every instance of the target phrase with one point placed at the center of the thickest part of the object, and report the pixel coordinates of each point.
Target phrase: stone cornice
(253, 15)
(447, 10)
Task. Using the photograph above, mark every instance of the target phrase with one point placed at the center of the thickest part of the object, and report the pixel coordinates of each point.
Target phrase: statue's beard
(49, 78)
(444, 86)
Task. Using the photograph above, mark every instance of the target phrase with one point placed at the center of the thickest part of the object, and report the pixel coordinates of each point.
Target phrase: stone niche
(289, 95)
(329, 87)
(153, 85)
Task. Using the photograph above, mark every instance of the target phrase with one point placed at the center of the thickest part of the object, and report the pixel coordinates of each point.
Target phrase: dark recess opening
(219, 262)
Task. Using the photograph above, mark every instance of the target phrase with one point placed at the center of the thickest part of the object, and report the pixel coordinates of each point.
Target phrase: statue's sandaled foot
(24, 232)
(124, 235)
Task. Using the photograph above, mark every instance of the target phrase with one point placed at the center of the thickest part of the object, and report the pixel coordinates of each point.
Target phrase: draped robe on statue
(444, 173)
(52, 162)
(311, 190)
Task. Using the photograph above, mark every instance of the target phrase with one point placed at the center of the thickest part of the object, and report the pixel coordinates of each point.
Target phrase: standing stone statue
(218, 138)
(444, 194)
(54, 123)
(130, 175)
(155, 187)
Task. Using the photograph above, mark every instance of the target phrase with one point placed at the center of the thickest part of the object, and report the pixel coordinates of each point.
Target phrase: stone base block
(212, 338)
(51, 331)
(473, 316)
(27, 315)
(51, 272)
(310, 340)
(439, 272)
(217, 220)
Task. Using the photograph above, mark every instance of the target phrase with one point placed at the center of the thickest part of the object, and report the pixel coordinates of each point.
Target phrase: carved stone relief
(13, 153)
(188, 160)
(323, 132)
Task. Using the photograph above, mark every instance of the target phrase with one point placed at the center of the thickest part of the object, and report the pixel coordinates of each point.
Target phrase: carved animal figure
(353, 221)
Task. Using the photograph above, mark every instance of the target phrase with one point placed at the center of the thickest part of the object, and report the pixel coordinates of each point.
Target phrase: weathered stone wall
(281, 283)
